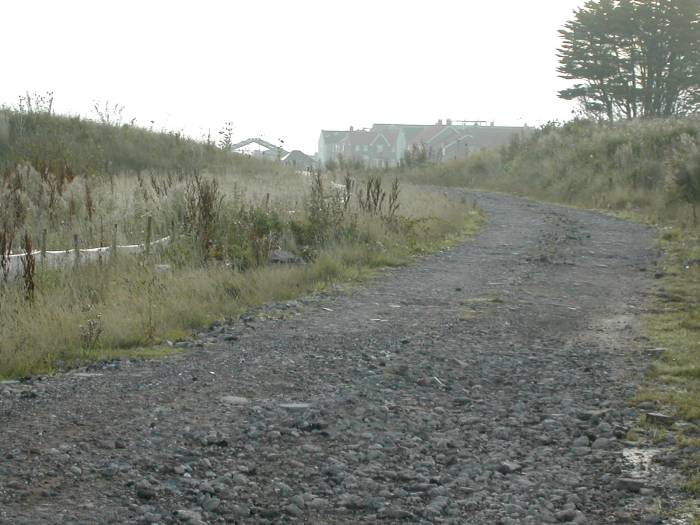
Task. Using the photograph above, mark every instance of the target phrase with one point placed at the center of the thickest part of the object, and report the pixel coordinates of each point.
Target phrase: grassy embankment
(647, 170)
(224, 213)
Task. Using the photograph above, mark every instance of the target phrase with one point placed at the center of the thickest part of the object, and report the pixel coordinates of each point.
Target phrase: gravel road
(485, 384)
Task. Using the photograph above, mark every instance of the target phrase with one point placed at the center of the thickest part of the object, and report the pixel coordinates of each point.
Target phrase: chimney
(449, 121)
(352, 128)
(439, 122)
(493, 123)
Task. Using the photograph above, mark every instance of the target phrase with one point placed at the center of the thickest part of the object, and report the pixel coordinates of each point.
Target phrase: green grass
(674, 326)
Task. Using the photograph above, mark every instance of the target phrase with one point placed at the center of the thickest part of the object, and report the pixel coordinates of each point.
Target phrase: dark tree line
(633, 58)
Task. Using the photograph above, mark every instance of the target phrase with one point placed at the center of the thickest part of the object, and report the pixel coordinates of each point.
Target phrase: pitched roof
(410, 131)
(298, 155)
(359, 138)
(437, 133)
(331, 137)
(492, 136)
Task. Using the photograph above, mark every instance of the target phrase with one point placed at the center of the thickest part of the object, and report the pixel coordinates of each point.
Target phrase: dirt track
(482, 385)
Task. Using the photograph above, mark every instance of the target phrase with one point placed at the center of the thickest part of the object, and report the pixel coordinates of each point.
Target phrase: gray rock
(295, 406)
(603, 444)
(566, 515)
(284, 257)
(317, 503)
(395, 513)
(144, 490)
(210, 504)
(630, 484)
(235, 400)
(508, 467)
(188, 515)
(581, 441)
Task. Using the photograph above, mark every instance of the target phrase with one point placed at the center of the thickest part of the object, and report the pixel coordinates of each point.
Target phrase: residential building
(299, 160)
(385, 145)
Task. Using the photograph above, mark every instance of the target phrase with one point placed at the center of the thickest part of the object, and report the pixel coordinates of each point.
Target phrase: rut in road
(483, 385)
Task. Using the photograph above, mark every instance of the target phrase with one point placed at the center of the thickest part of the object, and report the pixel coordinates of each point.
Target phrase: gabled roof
(380, 137)
(359, 138)
(331, 137)
(391, 136)
(436, 133)
(298, 155)
(410, 131)
(258, 141)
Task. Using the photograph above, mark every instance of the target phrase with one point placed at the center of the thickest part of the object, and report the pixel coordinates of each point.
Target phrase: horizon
(286, 76)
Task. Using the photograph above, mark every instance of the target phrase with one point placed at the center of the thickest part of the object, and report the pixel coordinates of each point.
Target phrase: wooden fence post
(149, 226)
(43, 248)
(102, 242)
(76, 249)
(114, 242)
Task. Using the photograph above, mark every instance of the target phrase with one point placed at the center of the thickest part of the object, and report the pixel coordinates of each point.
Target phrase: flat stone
(603, 443)
(235, 400)
(566, 515)
(295, 406)
(591, 415)
(630, 484)
(508, 467)
(188, 515)
(284, 257)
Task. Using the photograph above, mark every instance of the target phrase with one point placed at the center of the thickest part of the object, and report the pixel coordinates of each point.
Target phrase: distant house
(385, 145)
(328, 145)
(299, 160)
(257, 147)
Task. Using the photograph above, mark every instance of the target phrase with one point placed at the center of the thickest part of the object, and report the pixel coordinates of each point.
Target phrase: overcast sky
(284, 69)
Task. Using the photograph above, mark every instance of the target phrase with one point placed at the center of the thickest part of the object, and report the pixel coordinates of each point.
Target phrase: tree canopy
(633, 58)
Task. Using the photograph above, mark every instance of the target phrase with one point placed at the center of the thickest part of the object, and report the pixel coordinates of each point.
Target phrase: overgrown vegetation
(632, 166)
(222, 218)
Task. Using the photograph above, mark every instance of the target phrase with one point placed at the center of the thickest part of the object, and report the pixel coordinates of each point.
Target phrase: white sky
(288, 68)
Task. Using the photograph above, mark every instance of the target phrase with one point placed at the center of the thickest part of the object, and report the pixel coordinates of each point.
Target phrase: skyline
(289, 71)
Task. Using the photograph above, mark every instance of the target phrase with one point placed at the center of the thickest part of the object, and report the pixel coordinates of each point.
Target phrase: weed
(28, 269)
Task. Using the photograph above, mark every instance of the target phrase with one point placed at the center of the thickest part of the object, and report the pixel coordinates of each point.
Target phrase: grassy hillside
(69, 146)
(633, 166)
(65, 178)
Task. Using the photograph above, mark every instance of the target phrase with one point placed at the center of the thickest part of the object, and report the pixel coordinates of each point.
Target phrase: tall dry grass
(222, 228)
(631, 166)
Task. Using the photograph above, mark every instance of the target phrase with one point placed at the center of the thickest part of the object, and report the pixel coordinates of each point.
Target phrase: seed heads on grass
(91, 331)
(372, 198)
(203, 203)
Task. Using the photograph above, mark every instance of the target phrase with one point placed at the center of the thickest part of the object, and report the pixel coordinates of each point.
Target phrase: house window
(357, 148)
(366, 147)
(380, 148)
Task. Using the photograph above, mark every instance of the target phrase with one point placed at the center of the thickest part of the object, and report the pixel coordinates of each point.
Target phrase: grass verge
(127, 307)
(673, 325)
